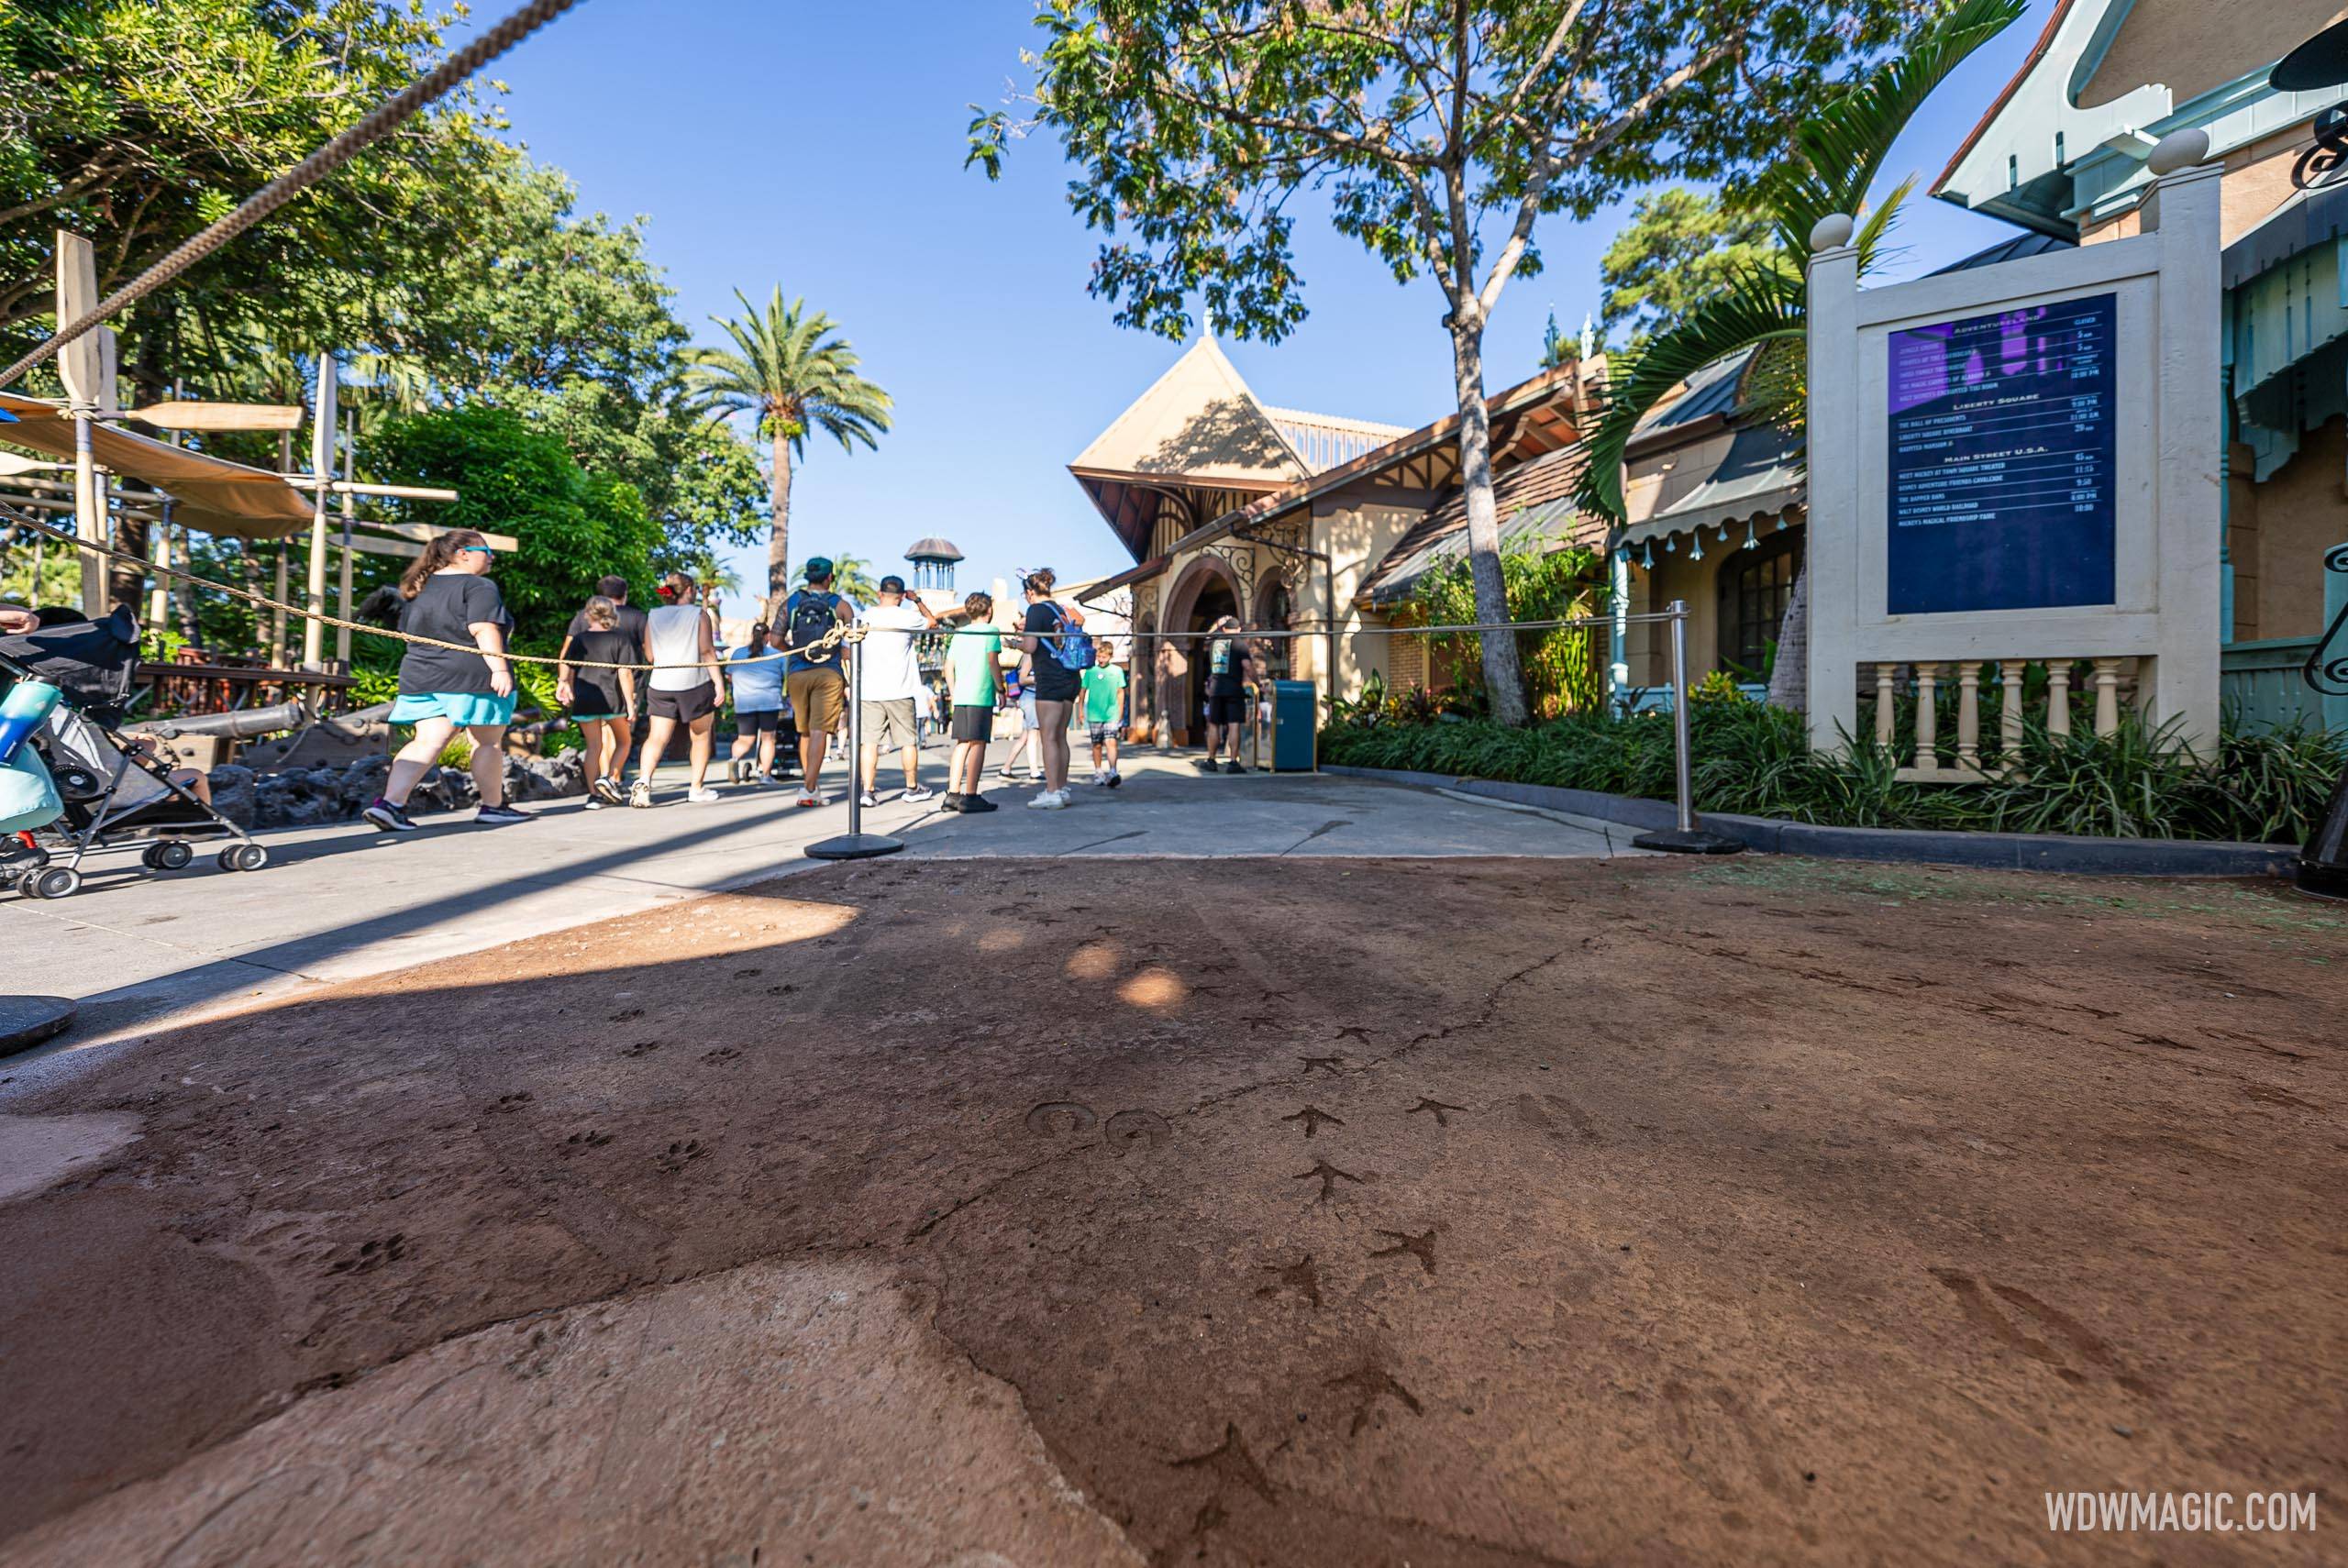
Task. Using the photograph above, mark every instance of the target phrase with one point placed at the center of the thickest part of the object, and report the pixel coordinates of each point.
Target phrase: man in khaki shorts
(818, 689)
(890, 686)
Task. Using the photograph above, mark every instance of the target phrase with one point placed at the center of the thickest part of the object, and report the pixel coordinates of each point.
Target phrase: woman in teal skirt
(447, 595)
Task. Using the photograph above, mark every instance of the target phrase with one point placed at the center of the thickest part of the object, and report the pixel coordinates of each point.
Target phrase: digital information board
(2003, 460)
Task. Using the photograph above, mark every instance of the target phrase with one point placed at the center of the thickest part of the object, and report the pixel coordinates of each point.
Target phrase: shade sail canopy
(213, 495)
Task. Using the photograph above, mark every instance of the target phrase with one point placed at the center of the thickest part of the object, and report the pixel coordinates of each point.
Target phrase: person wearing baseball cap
(814, 680)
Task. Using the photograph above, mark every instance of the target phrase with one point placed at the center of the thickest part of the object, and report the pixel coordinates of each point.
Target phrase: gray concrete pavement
(338, 903)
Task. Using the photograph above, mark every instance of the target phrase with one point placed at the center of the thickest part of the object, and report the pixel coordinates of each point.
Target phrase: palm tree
(1840, 149)
(792, 371)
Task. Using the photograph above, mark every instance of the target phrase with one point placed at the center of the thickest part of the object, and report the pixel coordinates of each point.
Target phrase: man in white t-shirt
(892, 684)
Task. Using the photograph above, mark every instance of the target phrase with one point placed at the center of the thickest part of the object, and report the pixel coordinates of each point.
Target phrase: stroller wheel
(171, 856)
(51, 882)
(242, 857)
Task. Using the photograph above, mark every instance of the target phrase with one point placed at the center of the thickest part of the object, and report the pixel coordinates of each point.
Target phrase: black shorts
(1231, 710)
(693, 702)
(757, 721)
(972, 722)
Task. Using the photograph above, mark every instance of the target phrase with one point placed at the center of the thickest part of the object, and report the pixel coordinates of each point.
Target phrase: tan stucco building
(1293, 521)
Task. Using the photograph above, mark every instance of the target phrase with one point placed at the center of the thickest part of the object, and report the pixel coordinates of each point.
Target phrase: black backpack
(811, 619)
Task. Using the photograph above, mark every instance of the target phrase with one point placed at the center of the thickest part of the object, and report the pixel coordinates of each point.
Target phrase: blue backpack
(1072, 648)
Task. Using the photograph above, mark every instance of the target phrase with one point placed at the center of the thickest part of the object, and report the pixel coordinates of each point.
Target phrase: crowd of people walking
(788, 685)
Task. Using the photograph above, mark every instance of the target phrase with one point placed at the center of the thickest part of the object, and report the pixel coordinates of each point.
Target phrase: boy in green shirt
(1104, 713)
(973, 681)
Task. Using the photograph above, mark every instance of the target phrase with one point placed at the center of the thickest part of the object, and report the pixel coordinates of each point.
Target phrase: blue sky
(820, 146)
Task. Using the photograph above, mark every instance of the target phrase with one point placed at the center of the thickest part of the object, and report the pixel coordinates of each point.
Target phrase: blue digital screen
(2003, 460)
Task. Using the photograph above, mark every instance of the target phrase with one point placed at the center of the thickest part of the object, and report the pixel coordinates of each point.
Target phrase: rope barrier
(833, 638)
(386, 117)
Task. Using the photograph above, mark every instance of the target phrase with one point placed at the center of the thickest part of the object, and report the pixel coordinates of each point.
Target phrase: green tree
(137, 122)
(794, 373)
(1681, 246)
(1441, 131)
(573, 528)
(1838, 152)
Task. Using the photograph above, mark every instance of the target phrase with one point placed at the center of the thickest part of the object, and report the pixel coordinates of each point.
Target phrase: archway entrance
(1214, 601)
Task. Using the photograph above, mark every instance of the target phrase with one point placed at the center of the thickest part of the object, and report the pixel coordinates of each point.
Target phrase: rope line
(833, 638)
(386, 117)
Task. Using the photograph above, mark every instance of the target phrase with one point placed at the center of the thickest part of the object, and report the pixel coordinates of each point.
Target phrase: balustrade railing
(1928, 689)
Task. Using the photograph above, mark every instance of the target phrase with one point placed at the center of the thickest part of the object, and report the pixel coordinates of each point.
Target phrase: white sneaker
(1050, 800)
(916, 793)
(868, 799)
(703, 796)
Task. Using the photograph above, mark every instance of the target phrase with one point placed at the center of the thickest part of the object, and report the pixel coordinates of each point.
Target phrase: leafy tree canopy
(1437, 132)
(573, 526)
(1681, 246)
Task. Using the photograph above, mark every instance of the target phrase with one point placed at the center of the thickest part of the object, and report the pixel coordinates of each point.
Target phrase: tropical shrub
(2263, 787)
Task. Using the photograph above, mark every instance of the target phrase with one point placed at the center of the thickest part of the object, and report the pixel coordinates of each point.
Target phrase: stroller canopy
(92, 662)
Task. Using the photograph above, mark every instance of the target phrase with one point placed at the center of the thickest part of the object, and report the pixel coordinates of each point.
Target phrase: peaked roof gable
(1198, 422)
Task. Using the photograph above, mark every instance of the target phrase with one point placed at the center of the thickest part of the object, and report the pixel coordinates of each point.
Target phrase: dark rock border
(1992, 851)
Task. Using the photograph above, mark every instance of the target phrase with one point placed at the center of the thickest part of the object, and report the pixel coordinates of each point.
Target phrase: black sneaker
(952, 803)
(388, 817)
(498, 816)
(973, 804)
(1205, 765)
(1235, 768)
(608, 791)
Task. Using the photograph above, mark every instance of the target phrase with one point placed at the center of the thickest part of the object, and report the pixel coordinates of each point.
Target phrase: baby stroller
(112, 790)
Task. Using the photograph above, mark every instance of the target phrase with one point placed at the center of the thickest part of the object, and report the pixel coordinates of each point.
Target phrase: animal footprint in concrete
(371, 1255)
(1719, 1444)
(1298, 1276)
(1333, 1065)
(680, 1154)
(590, 1139)
(1369, 1384)
(1330, 1175)
(1982, 1311)
(1354, 1031)
(1313, 1117)
(1440, 1111)
(627, 1014)
(748, 974)
(642, 1048)
(507, 1104)
(1421, 1247)
(1131, 1129)
(1061, 1119)
(722, 1053)
(1547, 1112)
(1230, 1464)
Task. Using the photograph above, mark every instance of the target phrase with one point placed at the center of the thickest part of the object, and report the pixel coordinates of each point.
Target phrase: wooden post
(80, 365)
(322, 432)
(349, 452)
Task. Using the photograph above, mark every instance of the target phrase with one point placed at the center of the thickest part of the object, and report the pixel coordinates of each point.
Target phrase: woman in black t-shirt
(600, 699)
(447, 595)
(1055, 685)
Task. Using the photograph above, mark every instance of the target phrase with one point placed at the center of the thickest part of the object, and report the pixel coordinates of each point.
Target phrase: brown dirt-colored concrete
(1333, 1213)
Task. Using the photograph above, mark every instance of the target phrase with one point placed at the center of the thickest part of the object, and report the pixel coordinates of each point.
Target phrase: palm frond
(1845, 143)
(1758, 306)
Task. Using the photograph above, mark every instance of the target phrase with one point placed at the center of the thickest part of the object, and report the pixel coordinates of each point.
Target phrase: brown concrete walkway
(1349, 1212)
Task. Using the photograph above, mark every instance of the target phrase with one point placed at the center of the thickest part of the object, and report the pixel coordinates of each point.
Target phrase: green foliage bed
(2260, 788)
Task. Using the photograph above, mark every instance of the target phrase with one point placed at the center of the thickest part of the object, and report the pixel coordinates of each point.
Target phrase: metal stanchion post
(1687, 838)
(854, 843)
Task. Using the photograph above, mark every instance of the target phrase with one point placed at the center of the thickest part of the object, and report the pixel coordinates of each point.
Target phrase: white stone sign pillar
(2020, 463)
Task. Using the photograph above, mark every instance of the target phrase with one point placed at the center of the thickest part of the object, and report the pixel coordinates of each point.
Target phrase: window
(1753, 587)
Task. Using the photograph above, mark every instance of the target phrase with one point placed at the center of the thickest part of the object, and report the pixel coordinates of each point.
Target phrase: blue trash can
(1295, 726)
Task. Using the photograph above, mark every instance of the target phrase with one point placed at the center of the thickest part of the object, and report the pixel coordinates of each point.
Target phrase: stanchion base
(855, 846)
(1695, 841)
(26, 1021)
(2322, 881)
